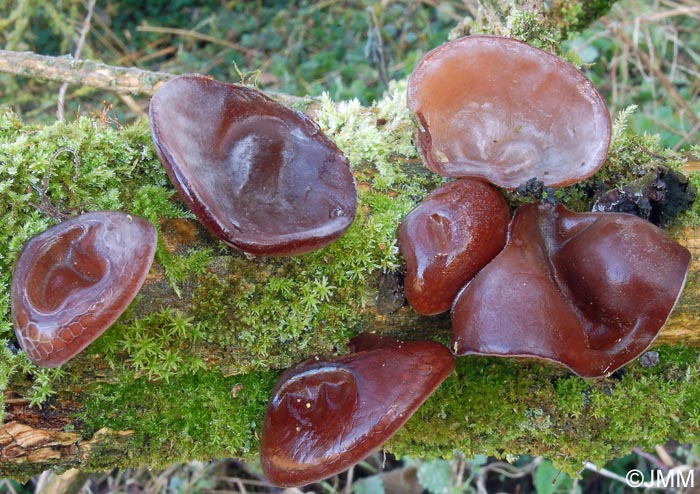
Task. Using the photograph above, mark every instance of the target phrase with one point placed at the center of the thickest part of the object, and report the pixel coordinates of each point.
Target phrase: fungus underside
(489, 406)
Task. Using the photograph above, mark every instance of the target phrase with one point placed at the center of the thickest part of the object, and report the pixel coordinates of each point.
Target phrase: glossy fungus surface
(447, 239)
(327, 414)
(74, 280)
(260, 176)
(588, 290)
(504, 111)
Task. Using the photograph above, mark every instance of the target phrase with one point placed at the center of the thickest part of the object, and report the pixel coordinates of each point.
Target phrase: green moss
(7, 369)
(692, 216)
(168, 375)
(489, 406)
(377, 140)
(188, 417)
(529, 26)
(157, 346)
(543, 26)
(50, 172)
(289, 314)
(302, 304)
(577, 14)
(511, 407)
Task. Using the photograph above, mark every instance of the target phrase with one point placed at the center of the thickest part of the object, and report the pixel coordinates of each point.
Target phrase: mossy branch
(187, 372)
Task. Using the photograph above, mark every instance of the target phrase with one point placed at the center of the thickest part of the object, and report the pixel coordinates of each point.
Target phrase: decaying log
(535, 411)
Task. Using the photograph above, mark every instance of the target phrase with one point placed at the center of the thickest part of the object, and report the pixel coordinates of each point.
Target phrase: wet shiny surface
(260, 176)
(74, 280)
(590, 291)
(501, 110)
(327, 414)
(447, 239)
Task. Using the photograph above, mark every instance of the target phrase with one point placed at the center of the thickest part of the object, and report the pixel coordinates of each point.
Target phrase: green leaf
(369, 485)
(436, 476)
(549, 479)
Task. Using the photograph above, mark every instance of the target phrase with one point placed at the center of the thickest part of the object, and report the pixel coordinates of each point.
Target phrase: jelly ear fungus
(447, 239)
(260, 176)
(587, 290)
(503, 111)
(74, 280)
(325, 415)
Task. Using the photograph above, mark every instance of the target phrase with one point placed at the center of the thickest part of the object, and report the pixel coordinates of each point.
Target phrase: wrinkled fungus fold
(447, 239)
(258, 175)
(325, 415)
(501, 110)
(590, 291)
(74, 280)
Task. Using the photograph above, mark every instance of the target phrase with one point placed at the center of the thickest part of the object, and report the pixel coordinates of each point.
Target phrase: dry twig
(60, 112)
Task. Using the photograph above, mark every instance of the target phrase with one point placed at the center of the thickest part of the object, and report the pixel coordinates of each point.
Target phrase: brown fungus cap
(587, 290)
(447, 239)
(501, 110)
(260, 176)
(325, 415)
(74, 280)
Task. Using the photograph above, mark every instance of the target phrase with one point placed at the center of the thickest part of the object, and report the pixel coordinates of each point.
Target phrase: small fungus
(260, 176)
(447, 239)
(325, 415)
(501, 110)
(74, 280)
(588, 290)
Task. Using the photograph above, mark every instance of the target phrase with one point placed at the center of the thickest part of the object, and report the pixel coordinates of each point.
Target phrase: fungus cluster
(567, 286)
(550, 283)
(260, 176)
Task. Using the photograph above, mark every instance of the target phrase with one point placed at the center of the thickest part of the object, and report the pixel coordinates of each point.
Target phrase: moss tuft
(529, 26)
(302, 304)
(510, 407)
(195, 416)
(47, 173)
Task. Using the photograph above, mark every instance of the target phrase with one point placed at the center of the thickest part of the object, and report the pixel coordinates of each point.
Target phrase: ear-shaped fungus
(588, 290)
(74, 280)
(326, 415)
(260, 176)
(447, 239)
(504, 111)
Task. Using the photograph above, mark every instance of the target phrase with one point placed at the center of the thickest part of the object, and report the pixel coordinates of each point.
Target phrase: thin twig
(60, 113)
(604, 472)
(505, 469)
(374, 49)
(6, 484)
(654, 69)
(348, 480)
(186, 33)
(123, 80)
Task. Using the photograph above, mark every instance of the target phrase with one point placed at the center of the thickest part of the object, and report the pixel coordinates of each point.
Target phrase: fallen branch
(66, 69)
(123, 80)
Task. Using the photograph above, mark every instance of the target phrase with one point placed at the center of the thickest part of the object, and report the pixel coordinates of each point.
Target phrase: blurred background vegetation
(643, 53)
